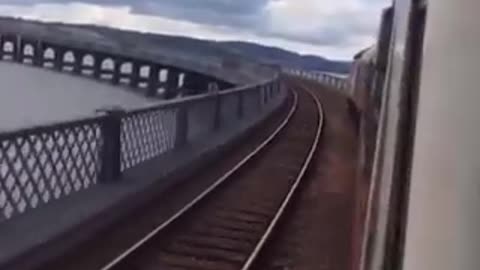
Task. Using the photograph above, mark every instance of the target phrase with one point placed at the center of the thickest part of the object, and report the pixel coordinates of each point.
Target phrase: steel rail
(129, 252)
(288, 199)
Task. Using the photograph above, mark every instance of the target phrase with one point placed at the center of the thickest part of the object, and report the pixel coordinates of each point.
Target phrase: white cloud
(335, 29)
(336, 23)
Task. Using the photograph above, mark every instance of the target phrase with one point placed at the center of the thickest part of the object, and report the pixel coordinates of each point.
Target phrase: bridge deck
(60, 184)
(321, 225)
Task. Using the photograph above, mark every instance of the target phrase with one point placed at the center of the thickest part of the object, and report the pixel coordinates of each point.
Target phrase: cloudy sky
(333, 28)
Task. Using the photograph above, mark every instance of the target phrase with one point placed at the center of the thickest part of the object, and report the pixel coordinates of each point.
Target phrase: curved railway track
(229, 224)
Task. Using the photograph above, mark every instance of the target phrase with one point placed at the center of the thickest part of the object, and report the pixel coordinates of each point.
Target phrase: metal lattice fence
(146, 135)
(38, 166)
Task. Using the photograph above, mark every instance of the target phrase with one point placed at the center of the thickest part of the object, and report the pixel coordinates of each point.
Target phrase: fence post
(278, 88)
(274, 89)
(111, 150)
(153, 81)
(240, 111)
(2, 39)
(58, 59)
(171, 85)
(117, 65)
(97, 66)
(18, 49)
(135, 75)
(38, 57)
(265, 95)
(182, 126)
(78, 62)
(260, 97)
(269, 92)
(217, 118)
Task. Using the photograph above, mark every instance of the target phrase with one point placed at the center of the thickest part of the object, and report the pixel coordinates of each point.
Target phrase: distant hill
(216, 53)
(229, 49)
(236, 49)
(277, 56)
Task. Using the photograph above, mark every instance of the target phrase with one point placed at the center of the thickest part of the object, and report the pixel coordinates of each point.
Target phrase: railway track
(229, 224)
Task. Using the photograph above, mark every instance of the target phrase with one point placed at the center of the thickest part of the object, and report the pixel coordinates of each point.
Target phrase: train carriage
(423, 185)
(384, 89)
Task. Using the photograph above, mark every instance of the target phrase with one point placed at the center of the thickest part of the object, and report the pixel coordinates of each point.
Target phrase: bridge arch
(28, 49)
(108, 64)
(181, 79)
(163, 75)
(49, 55)
(162, 78)
(126, 68)
(145, 71)
(88, 60)
(8, 48)
(69, 57)
(87, 64)
(107, 68)
(68, 60)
